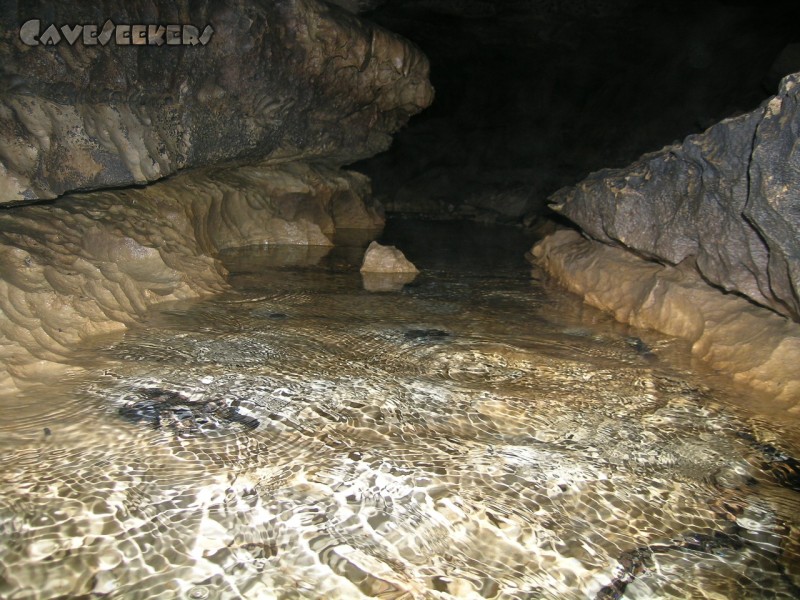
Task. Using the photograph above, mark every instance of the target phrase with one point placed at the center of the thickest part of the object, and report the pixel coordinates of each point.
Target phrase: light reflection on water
(478, 434)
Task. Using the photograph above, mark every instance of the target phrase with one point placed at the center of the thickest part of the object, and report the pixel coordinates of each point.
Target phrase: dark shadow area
(460, 246)
(533, 95)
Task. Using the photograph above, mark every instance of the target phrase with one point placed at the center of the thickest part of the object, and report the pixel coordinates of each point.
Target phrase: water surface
(475, 434)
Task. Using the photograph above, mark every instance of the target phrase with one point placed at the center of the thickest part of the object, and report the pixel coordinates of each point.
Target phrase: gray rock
(773, 205)
(278, 81)
(726, 201)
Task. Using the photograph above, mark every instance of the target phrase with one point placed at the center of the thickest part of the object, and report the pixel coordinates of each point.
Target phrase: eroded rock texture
(726, 201)
(279, 80)
(90, 263)
(755, 346)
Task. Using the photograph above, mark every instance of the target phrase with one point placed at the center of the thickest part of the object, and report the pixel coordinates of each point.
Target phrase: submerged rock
(386, 259)
(386, 282)
(170, 410)
(426, 334)
(725, 202)
(278, 81)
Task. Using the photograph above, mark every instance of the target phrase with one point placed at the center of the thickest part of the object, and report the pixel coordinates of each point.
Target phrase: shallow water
(476, 434)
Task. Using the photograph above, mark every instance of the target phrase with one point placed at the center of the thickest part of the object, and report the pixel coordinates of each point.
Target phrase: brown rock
(93, 262)
(277, 81)
(386, 259)
(755, 346)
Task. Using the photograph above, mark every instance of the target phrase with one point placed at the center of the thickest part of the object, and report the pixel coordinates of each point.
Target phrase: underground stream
(477, 433)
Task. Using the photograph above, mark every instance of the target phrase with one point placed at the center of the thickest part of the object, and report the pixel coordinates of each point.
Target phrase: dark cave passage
(533, 95)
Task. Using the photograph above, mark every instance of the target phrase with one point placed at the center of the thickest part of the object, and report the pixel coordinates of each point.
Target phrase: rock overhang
(276, 82)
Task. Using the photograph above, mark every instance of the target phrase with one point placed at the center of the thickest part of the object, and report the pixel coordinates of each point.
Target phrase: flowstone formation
(718, 213)
(277, 80)
(256, 118)
(93, 262)
(755, 346)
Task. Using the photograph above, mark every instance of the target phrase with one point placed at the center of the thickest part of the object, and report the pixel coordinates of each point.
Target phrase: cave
(399, 299)
(532, 97)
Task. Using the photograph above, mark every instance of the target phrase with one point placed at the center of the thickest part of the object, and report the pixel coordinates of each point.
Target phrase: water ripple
(459, 439)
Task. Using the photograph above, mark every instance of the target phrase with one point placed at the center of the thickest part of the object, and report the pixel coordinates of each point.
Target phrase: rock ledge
(755, 346)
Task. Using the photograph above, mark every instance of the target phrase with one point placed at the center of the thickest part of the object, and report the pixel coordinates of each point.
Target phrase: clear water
(476, 434)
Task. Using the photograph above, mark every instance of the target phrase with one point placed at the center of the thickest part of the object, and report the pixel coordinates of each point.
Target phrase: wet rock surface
(726, 202)
(91, 263)
(755, 346)
(277, 80)
(166, 409)
(386, 259)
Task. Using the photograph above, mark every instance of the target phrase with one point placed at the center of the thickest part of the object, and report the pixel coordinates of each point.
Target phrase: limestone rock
(755, 346)
(277, 81)
(386, 259)
(726, 201)
(91, 263)
(773, 204)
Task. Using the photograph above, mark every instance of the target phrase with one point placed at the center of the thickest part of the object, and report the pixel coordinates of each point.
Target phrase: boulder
(386, 259)
(270, 81)
(725, 202)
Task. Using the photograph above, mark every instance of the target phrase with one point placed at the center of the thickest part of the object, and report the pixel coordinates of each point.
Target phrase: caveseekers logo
(31, 34)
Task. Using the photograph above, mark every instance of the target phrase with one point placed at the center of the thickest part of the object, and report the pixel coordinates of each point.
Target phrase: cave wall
(95, 262)
(726, 200)
(700, 240)
(239, 142)
(534, 95)
(277, 81)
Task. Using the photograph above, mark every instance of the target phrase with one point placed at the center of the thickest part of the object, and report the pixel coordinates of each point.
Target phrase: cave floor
(476, 434)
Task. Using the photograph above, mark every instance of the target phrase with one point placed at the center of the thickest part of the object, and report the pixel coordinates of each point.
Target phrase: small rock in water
(640, 346)
(386, 259)
(167, 409)
(426, 334)
(386, 269)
